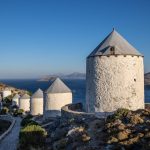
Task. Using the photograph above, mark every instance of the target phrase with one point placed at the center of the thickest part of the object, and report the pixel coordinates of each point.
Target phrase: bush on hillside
(32, 136)
(4, 111)
(27, 121)
(18, 112)
(118, 114)
(8, 100)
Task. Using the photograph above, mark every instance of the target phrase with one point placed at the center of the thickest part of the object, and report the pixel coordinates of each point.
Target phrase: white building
(115, 76)
(6, 92)
(57, 95)
(24, 102)
(36, 104)
(15, 100)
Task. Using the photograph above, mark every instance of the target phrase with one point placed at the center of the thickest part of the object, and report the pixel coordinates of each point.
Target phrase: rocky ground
(123, 130)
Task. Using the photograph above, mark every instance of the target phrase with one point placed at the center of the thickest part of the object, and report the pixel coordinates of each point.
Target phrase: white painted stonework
(114, 82)
(36, 106)
(15, 101)
(54, 103)
(6, 93)
(24, 104)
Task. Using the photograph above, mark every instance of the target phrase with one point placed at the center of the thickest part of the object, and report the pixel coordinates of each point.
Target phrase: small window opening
(112, 50)
(135, 80)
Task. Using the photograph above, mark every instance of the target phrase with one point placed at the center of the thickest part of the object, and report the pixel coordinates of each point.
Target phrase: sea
(76, 85)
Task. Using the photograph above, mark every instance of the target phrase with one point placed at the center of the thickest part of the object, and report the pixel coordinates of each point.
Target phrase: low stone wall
(74, 111)
(8, 118)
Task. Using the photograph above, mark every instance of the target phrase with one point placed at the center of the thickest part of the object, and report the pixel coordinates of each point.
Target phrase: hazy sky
(41, 37)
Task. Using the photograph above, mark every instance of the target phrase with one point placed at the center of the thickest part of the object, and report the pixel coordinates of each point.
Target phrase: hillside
(13, 89)
(124, 130)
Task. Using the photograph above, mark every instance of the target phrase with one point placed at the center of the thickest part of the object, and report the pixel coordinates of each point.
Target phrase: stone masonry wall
(74, 111)
(114, 82)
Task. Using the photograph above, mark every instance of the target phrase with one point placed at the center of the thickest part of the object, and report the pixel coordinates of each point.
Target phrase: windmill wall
(114, 82)
(24, 104)
(15, 101)
(36, 106)
(54, 102)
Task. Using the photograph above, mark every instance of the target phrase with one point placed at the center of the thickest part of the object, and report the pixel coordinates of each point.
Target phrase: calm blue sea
(77, 86)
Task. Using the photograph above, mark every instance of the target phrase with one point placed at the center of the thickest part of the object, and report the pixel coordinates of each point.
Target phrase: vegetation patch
(26, 120)
(18, 112)
(128, 129)
(4, 111)
(32, 136)
(123, 130)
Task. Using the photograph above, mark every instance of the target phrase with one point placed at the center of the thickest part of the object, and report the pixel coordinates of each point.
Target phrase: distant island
(75, 75)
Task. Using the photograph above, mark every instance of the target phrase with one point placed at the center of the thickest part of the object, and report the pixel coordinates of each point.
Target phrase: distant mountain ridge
(75, 75)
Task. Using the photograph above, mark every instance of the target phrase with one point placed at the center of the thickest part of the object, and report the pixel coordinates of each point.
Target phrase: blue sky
(41, 37)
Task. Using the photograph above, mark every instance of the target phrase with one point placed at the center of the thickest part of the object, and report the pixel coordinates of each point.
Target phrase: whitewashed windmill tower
(15, 100)
(36, 103)
(57, 96)
(115, 76)
(24, 102)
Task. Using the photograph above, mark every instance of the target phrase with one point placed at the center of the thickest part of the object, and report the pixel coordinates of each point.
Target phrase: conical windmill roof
(38, 94)
(58, 86)
(25, 96)
(118, 43)
(17, 96)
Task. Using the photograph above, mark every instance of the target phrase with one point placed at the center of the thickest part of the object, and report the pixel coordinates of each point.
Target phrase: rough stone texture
(114, 82)
(36, 106)
(54, 102)
(72, 111)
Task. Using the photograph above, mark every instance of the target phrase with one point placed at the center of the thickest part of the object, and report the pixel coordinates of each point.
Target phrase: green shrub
(29, 116)
(118, 114)
(8, 100)
(32, 123)
(18, 112)
(25, 121)
(32, 136)
(4, 111)
(122, 112)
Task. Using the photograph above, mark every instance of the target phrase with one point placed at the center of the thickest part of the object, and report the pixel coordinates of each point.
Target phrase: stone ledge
(13, 121)
(74, 111)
